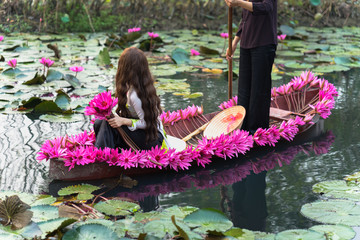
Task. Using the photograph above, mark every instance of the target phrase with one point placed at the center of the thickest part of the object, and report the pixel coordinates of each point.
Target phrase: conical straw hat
(225, 122)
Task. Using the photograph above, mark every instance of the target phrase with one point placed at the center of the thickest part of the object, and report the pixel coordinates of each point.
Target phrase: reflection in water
(249, 202)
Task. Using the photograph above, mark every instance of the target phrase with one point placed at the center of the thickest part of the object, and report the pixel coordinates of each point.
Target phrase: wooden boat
(294, 108)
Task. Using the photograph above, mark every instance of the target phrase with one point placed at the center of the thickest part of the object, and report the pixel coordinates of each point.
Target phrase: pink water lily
(224, 35)
(47, 62)
(153, 35)
(230, 103)
(1, 38)
(101, 105)
(76, 69)
(194, 52)
(131, 30)
(281, 37)
(12, 63)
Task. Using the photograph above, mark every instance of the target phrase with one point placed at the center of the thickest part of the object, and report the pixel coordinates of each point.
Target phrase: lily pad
(72, 80)
(289, 53)
(44, 213)
(300, 234)
(36, 80)
(353, 178)
(103, 58)
(239, 233)
(208, 51)
(117, 207)
(208, 220)
(338, 189)
(330, 68)
(50, 226)
(84, 191)
(335, 232)
(62, 118)
(90, 232)
(333, 212)
(298, 65)
(47, 107)
(53, 75)
(180, 56)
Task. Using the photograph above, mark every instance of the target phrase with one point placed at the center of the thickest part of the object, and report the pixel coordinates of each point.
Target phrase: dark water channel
(254, 190)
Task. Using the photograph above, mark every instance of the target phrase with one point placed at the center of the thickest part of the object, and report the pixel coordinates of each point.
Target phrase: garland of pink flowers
(80, 150)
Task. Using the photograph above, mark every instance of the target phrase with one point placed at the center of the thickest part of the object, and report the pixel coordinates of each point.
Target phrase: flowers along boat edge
(294, 108)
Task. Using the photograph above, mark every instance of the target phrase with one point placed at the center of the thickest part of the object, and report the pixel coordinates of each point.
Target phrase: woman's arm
(240, 3)
(235, 42)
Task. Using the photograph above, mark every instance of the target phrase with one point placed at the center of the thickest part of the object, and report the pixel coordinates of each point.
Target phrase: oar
(196, 132)
(230, 73)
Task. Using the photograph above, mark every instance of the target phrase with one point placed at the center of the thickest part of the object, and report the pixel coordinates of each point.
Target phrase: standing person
(258, 35)
(138, 107)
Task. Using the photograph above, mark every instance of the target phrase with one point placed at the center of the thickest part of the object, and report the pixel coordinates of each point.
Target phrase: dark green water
(270, 200)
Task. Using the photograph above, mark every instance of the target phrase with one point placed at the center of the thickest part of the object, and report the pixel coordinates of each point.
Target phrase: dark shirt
(259, 28)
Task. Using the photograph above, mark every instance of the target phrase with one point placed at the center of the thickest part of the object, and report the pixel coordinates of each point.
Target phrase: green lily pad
(11, 72)
(62, 118)
(159, 228)
(117, 207)
(330, 68)
(50, 226)
(264, 235)
(339, 232)
(53, 75)
(84, 191)
(37, 79)
(10, 236)
(333, 212)
(62, 100)
(285, 29)
(338, 189)
(298, 65)
(90, 232)
(47, 107)
(289, 53)
(208, 220)
(300, 234)
(194, 95)
(72, 80)
(239, 233)
(43, 200)
(133, 229)
(180, 56)
(103, 58)
(208, 51)
(25, 197)
(353, 178)
(44, 213)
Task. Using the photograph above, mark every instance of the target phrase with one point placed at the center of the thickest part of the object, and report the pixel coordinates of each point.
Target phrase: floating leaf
(159, 228)
(15, 212)
(338, 189)
(300, 234)
(285, 29)
(180, 56)
(50, 226)
(44, 213)
(103, 58)
(90, 232)
(194, 95)
(37, 79)
(53, 75)
(84, 191)
(353, 178)
(330, 68)
(117, 207)
(264, 235)
(11, 72)
(333, 232)
(10, 236)
(62, 118)
(208, 220)
(43, 200)
(239, 233)
(72, 80)
(30, 231)
(62, 100)
(208, 51)
(298, 65)
(46, 107)
(333, 212)
(32, 102)
(289, 53)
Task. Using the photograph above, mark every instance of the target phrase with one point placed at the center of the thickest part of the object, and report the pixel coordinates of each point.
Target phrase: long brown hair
(133, 71)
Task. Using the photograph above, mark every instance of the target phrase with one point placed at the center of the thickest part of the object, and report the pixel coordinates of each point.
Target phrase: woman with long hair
(138, 107)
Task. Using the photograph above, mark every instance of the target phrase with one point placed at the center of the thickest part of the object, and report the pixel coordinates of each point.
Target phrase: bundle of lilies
(304, 97)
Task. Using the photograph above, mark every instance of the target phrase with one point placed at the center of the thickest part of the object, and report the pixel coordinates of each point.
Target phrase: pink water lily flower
(194, 52)
(76, 69)
(101, 105)
(281, 37)
(12, 63)
(1, 38)
(47, 62)
(153, 35)
(224, 35)
(131, 30)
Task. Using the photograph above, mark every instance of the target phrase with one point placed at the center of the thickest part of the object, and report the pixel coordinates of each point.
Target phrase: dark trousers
(254, 89)
(106, 136)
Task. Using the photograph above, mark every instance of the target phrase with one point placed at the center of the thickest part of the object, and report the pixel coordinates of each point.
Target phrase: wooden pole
(230, 67)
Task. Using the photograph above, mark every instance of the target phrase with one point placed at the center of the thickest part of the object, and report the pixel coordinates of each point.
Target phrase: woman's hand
(232, 3)
(117, 121)
(235, 42)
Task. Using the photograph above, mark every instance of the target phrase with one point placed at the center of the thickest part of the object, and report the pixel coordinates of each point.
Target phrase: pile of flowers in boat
(80, 150)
